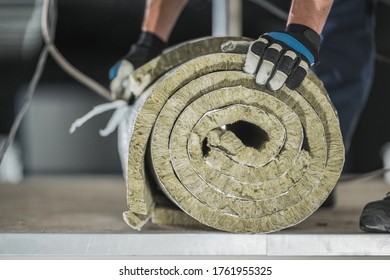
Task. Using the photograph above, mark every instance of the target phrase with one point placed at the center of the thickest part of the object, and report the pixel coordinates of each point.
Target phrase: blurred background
(93, 35)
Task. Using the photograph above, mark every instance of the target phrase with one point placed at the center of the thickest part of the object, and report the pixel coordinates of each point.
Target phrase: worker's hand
(148, 47)
(280, 58)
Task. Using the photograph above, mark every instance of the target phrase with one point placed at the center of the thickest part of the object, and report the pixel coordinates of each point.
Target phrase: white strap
(120, 107)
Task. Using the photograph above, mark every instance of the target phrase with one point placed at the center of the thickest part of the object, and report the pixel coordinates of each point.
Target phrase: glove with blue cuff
(281, 58)
(147, 47)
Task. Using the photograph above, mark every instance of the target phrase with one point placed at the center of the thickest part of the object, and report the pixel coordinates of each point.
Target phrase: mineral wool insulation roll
(232, 155)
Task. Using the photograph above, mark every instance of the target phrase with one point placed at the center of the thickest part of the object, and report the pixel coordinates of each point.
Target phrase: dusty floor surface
(94, 204)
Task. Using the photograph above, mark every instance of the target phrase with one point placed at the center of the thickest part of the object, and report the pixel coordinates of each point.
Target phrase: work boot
(376, 216)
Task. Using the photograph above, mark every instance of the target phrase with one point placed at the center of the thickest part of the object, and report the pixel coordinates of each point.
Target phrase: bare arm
(312, 13)
(161, 16)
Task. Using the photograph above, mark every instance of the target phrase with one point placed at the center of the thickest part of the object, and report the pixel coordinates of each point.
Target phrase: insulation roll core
(230, 154)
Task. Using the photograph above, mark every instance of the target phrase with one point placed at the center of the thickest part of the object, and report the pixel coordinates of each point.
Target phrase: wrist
(308, 33)
(151, 40)
(147, 47)
(307, 36)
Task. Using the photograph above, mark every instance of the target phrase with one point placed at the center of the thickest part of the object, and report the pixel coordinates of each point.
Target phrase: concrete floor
(43, 212)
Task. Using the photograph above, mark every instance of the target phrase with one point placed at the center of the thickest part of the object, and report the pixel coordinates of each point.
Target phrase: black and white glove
(281, 58)
(148, 47)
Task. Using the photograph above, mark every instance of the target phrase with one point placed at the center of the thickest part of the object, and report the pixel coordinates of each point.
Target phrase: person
(283, 58)
(347, 70)
(159, 20)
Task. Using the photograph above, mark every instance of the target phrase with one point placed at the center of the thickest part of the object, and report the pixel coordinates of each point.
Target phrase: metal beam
(227, 18)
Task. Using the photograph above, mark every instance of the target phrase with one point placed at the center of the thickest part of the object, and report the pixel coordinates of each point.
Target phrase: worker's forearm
(312, 13)
(161, 15)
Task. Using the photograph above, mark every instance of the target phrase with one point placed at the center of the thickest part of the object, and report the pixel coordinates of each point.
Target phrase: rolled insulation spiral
(232, 155)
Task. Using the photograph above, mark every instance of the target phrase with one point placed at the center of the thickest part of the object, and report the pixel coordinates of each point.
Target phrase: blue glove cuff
(293, 44)
(114, 70)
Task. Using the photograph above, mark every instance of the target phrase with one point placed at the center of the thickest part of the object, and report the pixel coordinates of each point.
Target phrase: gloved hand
(279, 58)
(148, 47)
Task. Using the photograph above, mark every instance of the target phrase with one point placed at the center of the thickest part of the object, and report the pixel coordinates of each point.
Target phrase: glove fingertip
(297, 76)
(277, 81)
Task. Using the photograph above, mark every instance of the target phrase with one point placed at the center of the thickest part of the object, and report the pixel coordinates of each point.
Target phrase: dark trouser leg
(347, 60)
